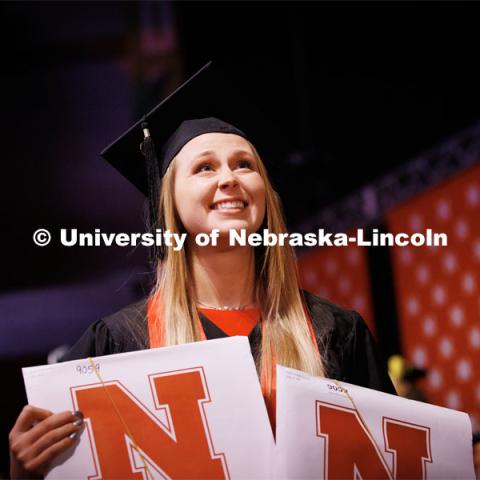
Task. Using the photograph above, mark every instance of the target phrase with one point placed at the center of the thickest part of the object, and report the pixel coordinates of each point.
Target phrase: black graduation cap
(208, 101)
(210, 92)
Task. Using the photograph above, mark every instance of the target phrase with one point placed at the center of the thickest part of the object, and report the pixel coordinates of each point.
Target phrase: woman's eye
(244, 164)
(206, 167)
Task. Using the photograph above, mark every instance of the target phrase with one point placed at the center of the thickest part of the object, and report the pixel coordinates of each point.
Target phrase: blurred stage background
(376, 110)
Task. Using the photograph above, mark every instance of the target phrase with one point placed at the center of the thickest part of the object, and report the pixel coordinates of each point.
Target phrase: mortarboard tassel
(153, 179)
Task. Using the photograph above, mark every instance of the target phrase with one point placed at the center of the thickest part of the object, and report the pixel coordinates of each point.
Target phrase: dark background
(348, 90)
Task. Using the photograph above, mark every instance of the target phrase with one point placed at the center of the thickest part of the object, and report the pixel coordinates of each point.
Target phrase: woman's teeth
(228, 205)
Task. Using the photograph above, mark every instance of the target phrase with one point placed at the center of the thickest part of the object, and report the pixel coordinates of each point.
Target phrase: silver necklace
(225, 307)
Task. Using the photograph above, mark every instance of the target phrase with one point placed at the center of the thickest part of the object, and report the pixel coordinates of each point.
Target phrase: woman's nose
(227, 179)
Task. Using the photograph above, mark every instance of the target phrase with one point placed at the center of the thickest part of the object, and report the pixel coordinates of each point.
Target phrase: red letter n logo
(350, 452)
(180, 447)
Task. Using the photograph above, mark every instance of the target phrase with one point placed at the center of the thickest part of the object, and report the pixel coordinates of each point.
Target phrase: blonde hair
(286, 335)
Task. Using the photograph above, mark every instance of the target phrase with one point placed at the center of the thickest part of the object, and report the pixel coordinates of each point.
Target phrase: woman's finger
(52, 422)
(53, 437)
(28, 417)
(28, 446)
(40, 463)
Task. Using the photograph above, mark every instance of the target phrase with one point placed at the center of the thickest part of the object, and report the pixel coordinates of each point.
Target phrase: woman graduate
(209, 176)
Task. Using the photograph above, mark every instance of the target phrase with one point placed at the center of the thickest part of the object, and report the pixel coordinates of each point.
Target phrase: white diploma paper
(320, 434)
(223, 431)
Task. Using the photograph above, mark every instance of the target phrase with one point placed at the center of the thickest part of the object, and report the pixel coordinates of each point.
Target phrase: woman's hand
(37, 437)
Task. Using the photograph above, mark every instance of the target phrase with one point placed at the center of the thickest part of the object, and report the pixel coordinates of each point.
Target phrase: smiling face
(218, 185)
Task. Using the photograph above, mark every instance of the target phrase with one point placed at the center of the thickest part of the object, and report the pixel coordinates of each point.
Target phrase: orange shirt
(233, 322)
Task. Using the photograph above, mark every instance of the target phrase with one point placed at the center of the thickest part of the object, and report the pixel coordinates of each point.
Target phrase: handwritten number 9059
(86, 369)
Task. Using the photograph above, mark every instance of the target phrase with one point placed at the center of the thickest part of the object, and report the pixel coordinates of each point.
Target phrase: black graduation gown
(347, 346)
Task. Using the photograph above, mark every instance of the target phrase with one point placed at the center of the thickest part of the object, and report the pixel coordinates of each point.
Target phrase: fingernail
(78, 414)
(78, 422)
(73, 435)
